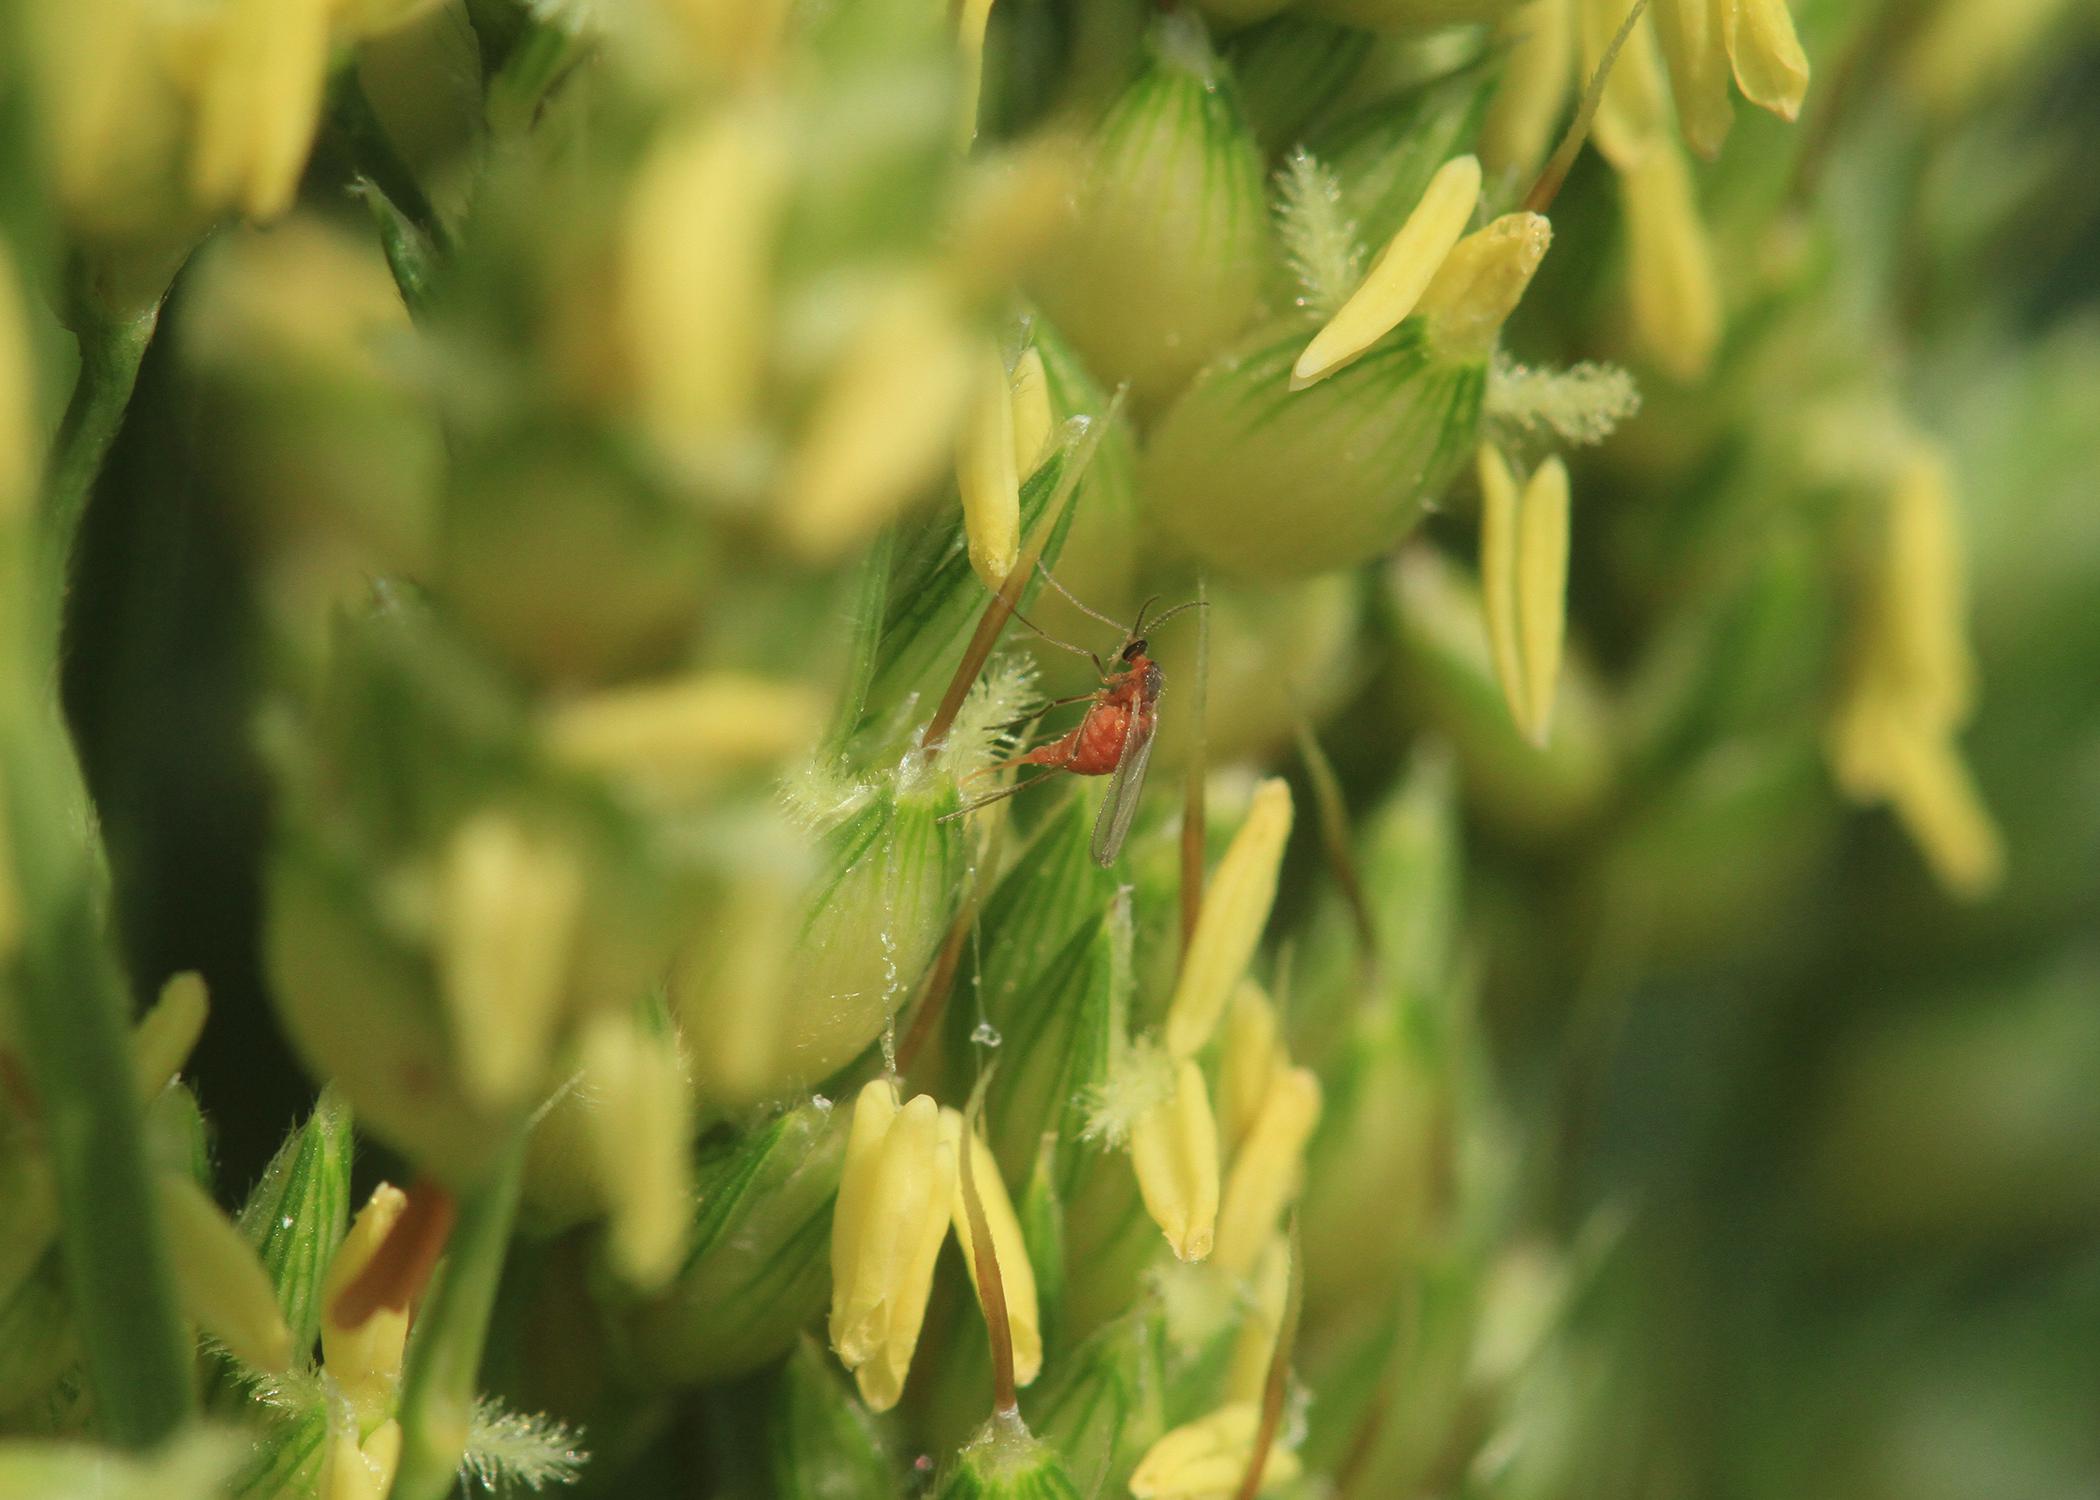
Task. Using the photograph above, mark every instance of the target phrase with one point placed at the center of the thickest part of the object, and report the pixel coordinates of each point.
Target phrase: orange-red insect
(1114, 738)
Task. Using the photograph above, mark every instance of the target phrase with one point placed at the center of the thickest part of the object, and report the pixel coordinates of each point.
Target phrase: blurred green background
(1852, 1130)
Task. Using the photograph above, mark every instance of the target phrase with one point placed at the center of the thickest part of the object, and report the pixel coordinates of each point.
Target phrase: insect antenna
(1180, 609)
(1077, 603)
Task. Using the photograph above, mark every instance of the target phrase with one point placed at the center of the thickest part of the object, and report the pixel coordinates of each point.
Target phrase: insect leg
(999, 796)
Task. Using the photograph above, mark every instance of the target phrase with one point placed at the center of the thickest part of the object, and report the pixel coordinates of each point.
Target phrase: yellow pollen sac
(356, 1470)
(1534, 89)
(1892, 739)
(987, 472)
(1209, 1457)
(365, 1360)
(1235, 910)
(882, 423)
(1690, 32)
(1670, 266)
(1033, 417)
(1481, 282)
(1770, 67)
(259, 99)
(218, 1278)
(678, 735)
(696, 250)
(1174, 1151)
(1268, 1170)
(640, 1123)
(509, 901)
(1252, 1056)
(1016, 1274)
(1524, 584)
(165, 1035)
(895, 1200)
(1399, 276)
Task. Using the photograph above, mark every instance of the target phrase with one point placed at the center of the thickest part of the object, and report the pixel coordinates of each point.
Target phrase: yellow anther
(1481, 282)
(508, 903)
(166, 1035)
(987, 473)
(1033, 416)
(1209, 1457)
(1174, 1151)
(894, 1203)
(1400, 275)
(259, 99)
(218, 1278)
(679, 734)
(1533, 93)
(1269, 1169)
(365, 1359)
(1235, 910)
(1770, 67)
(1670, 266)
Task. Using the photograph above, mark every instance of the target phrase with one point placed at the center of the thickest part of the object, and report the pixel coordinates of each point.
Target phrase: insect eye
(1134, 650)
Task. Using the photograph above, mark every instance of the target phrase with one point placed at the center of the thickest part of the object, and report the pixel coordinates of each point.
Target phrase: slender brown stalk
(991, 1288)
(1547, 188)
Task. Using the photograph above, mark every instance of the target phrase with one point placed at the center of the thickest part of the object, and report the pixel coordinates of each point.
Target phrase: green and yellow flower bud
(1235, 911)
(1210, 1456)
(1268, 1169)
(1360, 455)
(755, 1267)
(895, 1199)
(1009, 1248)
(1168, 248)
(862, 908)
(1174, 1151)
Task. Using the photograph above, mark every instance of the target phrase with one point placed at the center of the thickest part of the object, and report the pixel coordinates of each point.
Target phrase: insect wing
(1125, 788)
